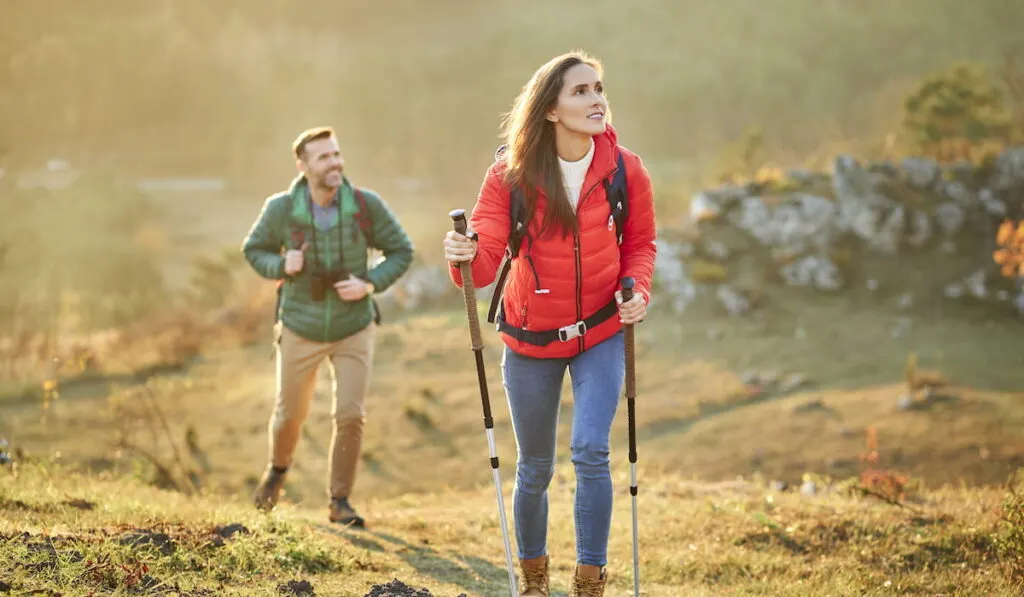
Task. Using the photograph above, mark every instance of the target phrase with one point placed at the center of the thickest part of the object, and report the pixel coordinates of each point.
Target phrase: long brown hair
(530, 151)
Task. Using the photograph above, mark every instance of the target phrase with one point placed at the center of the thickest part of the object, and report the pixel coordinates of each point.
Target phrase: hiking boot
(342, 512)
(535, 577)
(588, 586)
(269, 490)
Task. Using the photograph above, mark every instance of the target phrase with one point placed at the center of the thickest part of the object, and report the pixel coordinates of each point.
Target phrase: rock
(809, 488)
(905, 301)
(993, 206)
(921, 172)
(1008, 170)
(703, 207)
(860, 205)
(889, 234)
(957, 191)
(816, 271)
(711, 204)
(670, 271)
(920, 229)
(905, 402)
(950, 218)
(778, 485)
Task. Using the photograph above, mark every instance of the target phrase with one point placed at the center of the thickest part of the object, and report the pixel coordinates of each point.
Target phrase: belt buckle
(573, 330)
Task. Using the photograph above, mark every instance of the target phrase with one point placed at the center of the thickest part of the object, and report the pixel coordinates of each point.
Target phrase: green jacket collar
(299, 189)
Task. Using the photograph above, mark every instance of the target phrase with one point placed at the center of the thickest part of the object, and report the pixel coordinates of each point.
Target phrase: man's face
(322, 163)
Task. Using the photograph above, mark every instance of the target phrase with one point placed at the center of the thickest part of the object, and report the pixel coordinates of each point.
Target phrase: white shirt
(573, 174)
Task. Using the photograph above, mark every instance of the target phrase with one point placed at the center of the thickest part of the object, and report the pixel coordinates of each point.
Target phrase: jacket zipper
(579, 286)
(579, 260)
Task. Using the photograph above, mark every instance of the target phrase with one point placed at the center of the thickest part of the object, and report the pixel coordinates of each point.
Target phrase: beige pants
(349, 361)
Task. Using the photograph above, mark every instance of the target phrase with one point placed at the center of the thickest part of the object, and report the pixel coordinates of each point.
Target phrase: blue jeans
(533, 388)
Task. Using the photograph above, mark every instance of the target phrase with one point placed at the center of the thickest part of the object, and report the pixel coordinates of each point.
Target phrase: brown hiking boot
(269, 490)
(342, 512)
(588, 586)
(535, 577)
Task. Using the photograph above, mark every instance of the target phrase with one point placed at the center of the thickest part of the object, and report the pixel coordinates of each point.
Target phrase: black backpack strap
(517, 215)
(618, 197)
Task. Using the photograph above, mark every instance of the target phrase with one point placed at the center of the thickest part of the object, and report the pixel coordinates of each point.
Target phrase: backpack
(618, 200)
(365, 223)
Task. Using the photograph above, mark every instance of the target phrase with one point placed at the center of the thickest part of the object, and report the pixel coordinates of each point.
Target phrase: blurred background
(138, 141)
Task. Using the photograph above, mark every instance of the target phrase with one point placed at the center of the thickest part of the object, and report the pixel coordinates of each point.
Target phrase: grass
(696, 415)
(74, 535)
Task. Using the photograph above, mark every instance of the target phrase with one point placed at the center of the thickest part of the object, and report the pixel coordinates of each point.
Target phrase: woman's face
(581, 104)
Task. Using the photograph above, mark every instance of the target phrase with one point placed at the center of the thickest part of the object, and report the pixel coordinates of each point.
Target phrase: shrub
(958, 114)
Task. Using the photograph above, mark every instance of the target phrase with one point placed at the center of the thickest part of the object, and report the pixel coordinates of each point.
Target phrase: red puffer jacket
(573, 277)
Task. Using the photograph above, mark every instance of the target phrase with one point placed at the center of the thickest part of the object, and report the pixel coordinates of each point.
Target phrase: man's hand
(294, 260)
(633, 311)
(352, 289)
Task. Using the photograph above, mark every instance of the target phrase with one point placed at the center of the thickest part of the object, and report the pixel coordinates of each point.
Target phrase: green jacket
(331, 319)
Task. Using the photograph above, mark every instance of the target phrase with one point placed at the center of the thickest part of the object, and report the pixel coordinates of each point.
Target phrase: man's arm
(262, 245)
(391, 239)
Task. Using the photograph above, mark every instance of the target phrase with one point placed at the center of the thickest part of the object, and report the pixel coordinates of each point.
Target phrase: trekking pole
(458, 217)
(627, 294)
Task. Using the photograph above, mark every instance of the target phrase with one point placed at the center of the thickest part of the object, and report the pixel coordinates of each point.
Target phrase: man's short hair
(308, 136)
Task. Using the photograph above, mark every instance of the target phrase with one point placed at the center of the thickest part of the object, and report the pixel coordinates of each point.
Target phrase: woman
(560, 151)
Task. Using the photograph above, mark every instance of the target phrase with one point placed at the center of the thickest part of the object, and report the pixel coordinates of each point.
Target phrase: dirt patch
(80, 504)
(46, 508)
(219, 535)
(162, 542)
(300, 588)
(9, 504)
(397, 588)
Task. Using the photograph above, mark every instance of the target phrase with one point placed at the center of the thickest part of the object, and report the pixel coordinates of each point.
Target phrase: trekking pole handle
(460, 225)
(627, 289)
(627, 294)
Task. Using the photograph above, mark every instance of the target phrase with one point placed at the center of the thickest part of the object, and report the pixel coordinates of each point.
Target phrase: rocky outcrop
(917, 229)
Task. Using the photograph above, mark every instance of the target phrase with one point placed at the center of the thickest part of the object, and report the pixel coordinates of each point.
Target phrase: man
(313, 238)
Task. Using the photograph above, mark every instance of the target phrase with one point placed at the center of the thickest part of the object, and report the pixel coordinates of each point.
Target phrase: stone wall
(916, 229)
